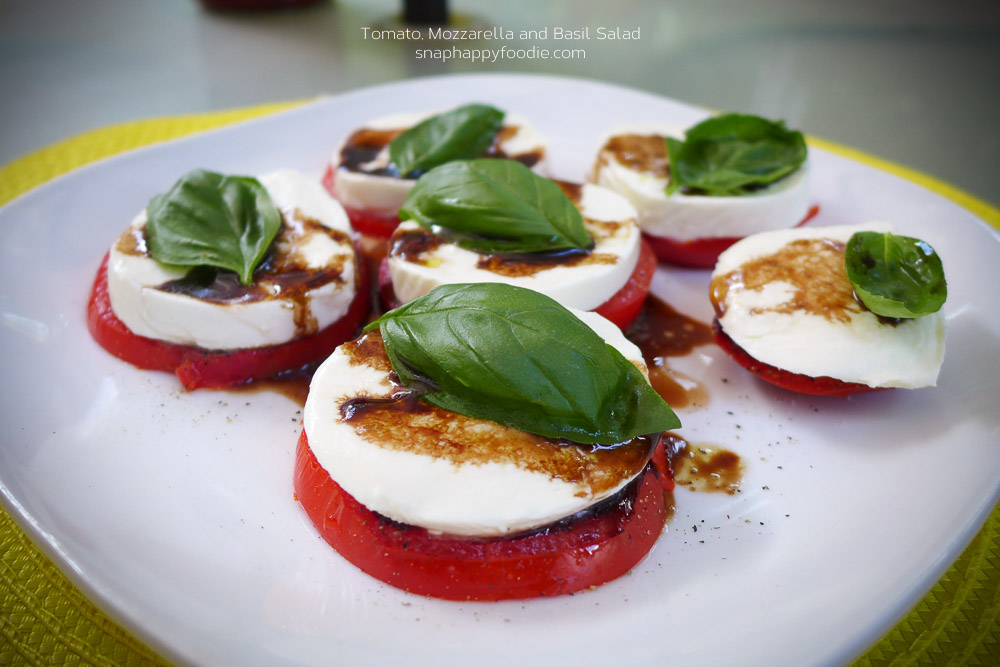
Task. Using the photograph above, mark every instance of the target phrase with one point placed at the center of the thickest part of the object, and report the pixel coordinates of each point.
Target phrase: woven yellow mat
(45, 620)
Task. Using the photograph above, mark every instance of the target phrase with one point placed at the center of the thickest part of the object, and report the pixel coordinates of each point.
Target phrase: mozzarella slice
(584, 283)
(784, 297)
(447, 472)
(367, 186)
(310, 285)
(632, 161)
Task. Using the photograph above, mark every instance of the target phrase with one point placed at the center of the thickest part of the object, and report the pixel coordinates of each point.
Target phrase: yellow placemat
(45, 620)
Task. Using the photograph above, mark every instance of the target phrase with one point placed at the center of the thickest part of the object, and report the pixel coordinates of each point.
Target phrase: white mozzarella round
(383, 195)
(135, 280)
(462, 498)
(611, 221)
(864, 349)
(684, 217)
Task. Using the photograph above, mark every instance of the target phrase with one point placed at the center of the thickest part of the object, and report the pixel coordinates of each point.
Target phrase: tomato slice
(586, 550)
(625, 304)
(622, 308)
(700, 253)
(197, 367)
(376, 225)
(797, 382)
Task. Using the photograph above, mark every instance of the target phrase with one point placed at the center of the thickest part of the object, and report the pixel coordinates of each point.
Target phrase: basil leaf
(726, 155)
(514, 356)
(465, 132)
(895, 276)
(208, 219)
(493, 205)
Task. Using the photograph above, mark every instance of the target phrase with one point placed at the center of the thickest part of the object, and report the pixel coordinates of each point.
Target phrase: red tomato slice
(197, 367)
(700, 253)
(803, 384)
(623, 306)
(365, 222)
(695, 254)
(587, 550)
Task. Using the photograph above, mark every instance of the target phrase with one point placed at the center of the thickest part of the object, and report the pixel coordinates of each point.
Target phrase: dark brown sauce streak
(398, 421)
(516, 265)
(293, 385)
(573, 191)
(814, 267)
(411, 244)
(701, 467)
(400, 401)
(660, 332)
(640, 152)
(365, 144)
(133, 242)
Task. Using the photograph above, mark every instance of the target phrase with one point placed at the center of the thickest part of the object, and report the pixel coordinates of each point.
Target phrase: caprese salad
(497, 221)
(700, 190)
(373, 170)
(483, 442)
(832, 310)
(228, 279)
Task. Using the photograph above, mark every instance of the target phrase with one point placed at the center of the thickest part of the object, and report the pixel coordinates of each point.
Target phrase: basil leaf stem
(465, 132)
(208, 219)
(514, 356)
(732, 154)
(895, 276)
(494, 205)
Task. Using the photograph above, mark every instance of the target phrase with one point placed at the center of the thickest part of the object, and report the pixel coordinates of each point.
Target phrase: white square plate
(174, 510)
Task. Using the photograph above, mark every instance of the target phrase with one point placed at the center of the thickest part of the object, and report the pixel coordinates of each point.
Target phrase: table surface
(911, 81)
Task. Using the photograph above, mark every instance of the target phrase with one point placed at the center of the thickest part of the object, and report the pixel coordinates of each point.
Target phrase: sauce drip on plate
(660, 331)
(703, 467)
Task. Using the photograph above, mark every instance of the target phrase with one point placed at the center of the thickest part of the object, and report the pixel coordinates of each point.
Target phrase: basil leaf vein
(895, 276)
(210, 219)
(514, 356)
(465, 132)
(729, 154)
(494, 205)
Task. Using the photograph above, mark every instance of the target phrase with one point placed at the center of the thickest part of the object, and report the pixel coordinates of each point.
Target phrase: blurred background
(914, 82)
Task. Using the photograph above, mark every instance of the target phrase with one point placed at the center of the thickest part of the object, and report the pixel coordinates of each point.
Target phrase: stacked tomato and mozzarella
(364, 181)
(456, 507)
(691, 229)
(591, 281)
(309, 296)
(467, 485)
(786, 309)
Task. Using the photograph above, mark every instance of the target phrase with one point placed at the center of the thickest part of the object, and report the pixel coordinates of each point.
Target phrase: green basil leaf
(493, 205)
(465, 132)
(516, 357)
(208, 219)
(895, 276)
(726, 155)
